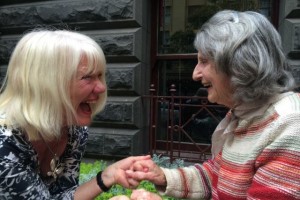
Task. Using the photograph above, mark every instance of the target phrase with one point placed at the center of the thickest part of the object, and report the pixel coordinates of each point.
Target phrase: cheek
(222, 87)
(226, 91)
(73, 95)
(77, 93)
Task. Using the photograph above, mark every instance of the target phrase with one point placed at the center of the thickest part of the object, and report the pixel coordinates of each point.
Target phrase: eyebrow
(202, 58)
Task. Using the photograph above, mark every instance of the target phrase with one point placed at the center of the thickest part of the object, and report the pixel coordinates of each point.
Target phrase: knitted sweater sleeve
(191, 182)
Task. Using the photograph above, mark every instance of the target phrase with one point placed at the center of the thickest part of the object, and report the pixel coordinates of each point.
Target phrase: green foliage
(90, 170)
(164, 161)
(147, 186)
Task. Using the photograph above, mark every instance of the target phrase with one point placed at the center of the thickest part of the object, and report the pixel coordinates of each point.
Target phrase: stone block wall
(121, 28)
(289, 28)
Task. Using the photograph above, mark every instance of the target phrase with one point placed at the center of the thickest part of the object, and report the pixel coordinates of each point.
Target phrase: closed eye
(86, 77)
(202, 61)
(92, 76)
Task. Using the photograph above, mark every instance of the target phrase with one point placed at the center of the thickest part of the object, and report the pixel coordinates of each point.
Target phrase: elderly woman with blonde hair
(55, 84)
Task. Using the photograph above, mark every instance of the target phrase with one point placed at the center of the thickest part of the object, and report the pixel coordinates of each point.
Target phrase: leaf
(53, 164)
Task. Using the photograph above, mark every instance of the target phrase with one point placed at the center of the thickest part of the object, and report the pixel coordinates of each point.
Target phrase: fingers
(140, 166)
(115, 173)
(144, 165)
(156, 176)
(146, 157)
(135, 159)
(136, 175)
(127, 181)
(133, 183)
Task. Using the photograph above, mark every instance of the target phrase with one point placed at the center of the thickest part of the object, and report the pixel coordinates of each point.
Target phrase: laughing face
(85, 91)
(217, 83)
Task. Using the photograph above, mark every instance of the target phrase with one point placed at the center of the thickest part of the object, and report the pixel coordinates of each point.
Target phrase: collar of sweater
(243, 111)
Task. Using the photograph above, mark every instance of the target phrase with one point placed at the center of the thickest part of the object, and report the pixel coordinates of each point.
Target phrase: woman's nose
(197, 73)
(99, 87)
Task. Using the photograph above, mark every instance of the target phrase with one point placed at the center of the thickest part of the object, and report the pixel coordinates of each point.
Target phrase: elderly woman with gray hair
(255, 147)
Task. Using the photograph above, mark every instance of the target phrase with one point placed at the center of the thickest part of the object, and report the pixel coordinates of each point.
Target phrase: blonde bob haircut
(36, 91)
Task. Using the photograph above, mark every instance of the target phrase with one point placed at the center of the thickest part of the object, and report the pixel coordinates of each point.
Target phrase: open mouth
(206, 85)
(85, 107)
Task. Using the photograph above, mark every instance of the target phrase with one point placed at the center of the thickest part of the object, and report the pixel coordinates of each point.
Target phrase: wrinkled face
(217, 83)
(85, 91)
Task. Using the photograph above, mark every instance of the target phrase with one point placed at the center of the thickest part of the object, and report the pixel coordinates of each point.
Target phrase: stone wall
(121, 29)
(289, 28)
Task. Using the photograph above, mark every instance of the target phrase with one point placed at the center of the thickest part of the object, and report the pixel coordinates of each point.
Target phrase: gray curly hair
(246, 47)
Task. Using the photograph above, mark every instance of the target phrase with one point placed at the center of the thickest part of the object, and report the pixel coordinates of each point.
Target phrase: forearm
(91, 189)
(88, 190)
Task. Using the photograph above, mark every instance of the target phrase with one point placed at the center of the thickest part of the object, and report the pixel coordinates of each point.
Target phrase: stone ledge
(112, 142)
(289, 9)
(120, 112)
(291, 39)
(295, 66)
(116, 44)
(72, 13)
(123, 78)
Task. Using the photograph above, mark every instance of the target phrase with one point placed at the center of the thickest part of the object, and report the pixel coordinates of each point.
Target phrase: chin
(85, 122)
(211, 100)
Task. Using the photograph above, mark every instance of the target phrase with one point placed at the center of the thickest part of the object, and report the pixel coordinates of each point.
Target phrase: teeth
(89, 102)
(206, 84)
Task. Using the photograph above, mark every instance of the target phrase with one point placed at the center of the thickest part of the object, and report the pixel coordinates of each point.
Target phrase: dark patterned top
(19, 171)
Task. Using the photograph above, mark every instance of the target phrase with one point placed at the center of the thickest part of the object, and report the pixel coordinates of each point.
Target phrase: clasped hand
(130, 171)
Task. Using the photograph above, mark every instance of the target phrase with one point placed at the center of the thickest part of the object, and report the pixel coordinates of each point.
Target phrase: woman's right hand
(146, 170)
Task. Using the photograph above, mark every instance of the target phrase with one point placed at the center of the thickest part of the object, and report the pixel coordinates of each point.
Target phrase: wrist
(101, 183)
(162, 178)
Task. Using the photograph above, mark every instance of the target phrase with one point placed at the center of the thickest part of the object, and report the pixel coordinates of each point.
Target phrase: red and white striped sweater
(260, 159)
